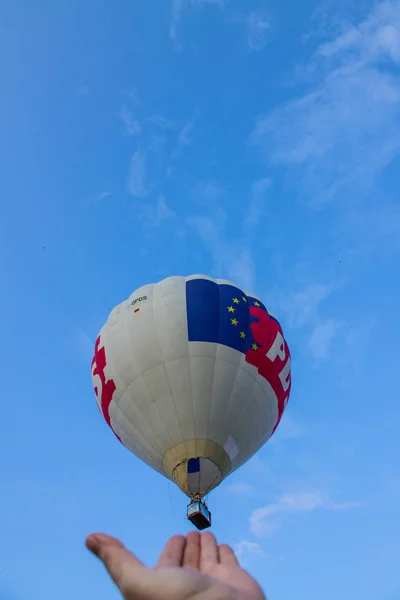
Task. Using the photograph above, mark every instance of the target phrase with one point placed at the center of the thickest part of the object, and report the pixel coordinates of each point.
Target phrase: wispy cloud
(242, 269)
(230, 259)
(241, 488)
(83, 345)
(321, 338)
(156, 214)
(232, 256)
(258, 204)
(301, 304)
(103, 195)
(179, 8)
(97, 197)
(357, 342)
(339, 135)
(163, 210)
(184, 135)
(161, 122)
(258, 28)
(263, 521)
(132, 125)
(246, 550)
(128, 110)
(183, 141)
(289, 429)
(137, 178)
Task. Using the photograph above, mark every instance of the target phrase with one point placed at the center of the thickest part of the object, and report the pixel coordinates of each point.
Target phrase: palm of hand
(192, 568)
(237, 583)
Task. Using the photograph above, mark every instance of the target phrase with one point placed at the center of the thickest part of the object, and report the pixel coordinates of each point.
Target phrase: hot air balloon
(192, 374)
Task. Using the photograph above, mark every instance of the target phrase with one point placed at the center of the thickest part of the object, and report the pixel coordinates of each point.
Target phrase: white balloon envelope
(192, 374)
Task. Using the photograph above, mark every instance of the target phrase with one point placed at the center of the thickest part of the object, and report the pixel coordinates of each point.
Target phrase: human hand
(189, 568)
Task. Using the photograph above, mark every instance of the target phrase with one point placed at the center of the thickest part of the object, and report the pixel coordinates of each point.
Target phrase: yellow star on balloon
(244, 298)
(257, 304)
(234, 322)
(242, 335)
(236, 300)
(254, 346)
(231, 309)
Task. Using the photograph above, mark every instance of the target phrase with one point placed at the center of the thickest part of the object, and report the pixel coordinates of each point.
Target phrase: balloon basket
(198, 514)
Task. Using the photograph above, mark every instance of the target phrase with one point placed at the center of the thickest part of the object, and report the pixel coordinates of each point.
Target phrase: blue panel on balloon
(219, 314)
(193, 465)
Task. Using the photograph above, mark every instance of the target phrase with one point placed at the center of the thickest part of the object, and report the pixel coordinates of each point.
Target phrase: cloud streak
(301, 305)
(231, 259)
(131, 124)
(258, 204)
(241, 489)
(263, 521)
(137, 178)
(258, 29)
(156, 214)
(321, 338)
(340, 135)
(246, 550)
(179, 8)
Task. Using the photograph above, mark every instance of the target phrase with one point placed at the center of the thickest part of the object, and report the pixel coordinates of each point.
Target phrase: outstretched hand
(189, 568)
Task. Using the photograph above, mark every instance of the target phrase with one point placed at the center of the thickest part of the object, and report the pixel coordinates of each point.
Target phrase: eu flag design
(220, 313)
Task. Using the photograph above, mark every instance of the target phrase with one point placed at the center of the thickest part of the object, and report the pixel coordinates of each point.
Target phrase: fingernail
(93, 544)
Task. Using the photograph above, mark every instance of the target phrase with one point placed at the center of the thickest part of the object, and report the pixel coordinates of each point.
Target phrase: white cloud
(161, 122)
(103, 195)
(83, 345)
(241, 488)
(321, 338)
(154, 215)
(256, 465)
(301, 306)
(184, 140)
(210, 193)
(179, 7)
(163, 211)
(258, 26)
(184, 136)
(231, 259)
(132, 125)
(339, 135)
(246, 550)
(137, 184)
(357, 342)
(98, 197)
(242, 269)
(375, 38)
(263, 520)
(288, 429)
(258, 208)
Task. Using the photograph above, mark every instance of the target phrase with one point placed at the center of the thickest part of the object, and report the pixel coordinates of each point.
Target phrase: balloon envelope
(192, 374)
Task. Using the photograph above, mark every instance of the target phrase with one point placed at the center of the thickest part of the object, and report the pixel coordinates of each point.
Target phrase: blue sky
(257, 141)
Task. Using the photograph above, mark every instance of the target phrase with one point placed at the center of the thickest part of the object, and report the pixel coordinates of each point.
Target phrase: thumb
(122, 565)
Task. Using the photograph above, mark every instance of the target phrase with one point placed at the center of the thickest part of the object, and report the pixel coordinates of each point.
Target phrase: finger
(191, 556)
(172, 555)
(208, 551)
(119, 562)
(227, 556)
